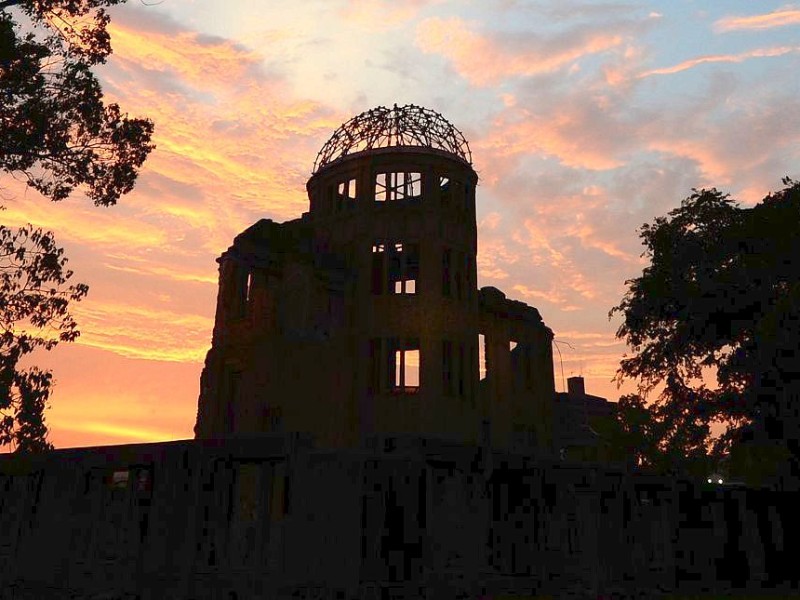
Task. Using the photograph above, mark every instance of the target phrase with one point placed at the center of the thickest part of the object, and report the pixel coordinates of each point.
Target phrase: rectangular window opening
(403, 269)
(248, 287)
(380, 187)
(411, 374)
(482, 356)
(397, 186)
(346, 192)
(414, 185)
(243, 283)
(378, 267)
(404, 371)
(445, 189)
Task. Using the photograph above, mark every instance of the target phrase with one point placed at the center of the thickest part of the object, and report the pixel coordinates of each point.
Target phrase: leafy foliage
(58, 134)
(721, 297)
(641, 436)
(34, 313)
(55, 129)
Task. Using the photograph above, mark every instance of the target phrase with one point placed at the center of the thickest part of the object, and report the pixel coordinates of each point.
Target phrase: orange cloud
(233, 143)
(590, 238)
(777, 18)
(100, 397)
(484, 61)
(581, 335)
(564, 290)
(552, 296)
(493, 259)
(160, 271)
(197, 61)
(84, 223)
(564, 133)
(144, 332)
(536, 239)
(722, 58)
(715, 168)
(119, 433)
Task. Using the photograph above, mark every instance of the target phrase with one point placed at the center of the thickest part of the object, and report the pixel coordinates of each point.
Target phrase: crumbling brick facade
(364, 317)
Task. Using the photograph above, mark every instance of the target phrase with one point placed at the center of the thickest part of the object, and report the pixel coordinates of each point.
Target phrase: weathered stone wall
(315, 316)
(271, 517)
(519, 388)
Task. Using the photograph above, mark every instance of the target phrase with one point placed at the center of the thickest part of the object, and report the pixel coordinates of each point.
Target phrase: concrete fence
(273, 517)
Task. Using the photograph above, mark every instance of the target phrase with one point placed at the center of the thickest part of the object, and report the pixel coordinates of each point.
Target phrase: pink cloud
(485, 60)
(777, 18)
(722, 58)
(563, 132)
(144, 332)
(221, 118)
(76, 222)
(592, 238)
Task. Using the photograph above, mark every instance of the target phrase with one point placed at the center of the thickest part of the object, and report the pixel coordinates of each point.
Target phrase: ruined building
(363, 316)
(339, 412)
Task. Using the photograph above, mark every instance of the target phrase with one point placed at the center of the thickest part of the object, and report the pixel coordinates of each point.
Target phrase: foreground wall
(271, 517)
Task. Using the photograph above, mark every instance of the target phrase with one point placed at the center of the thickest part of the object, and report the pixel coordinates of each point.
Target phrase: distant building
(575, 414)
(363, 316)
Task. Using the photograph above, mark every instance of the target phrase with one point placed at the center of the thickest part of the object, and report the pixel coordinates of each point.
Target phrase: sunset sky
(585, 120)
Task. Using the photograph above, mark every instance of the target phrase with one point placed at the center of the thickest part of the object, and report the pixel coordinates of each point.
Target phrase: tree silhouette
(34, 313)
(55, 129)
(58, 134)
(721, 299)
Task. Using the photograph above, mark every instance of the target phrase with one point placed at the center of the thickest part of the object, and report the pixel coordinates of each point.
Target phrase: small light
(709, 480)
(719, 480)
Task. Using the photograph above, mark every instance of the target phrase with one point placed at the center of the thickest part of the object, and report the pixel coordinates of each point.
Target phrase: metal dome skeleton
(383, 127)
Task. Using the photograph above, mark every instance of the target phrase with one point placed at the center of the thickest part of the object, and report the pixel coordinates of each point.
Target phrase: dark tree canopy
(55, 129)
(34, 313)
(722, 291)
(58, 134)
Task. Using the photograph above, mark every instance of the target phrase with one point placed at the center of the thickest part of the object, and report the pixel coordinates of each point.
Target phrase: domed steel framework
(383, 127)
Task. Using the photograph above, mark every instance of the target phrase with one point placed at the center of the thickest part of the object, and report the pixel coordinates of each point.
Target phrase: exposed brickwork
(321, 320)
